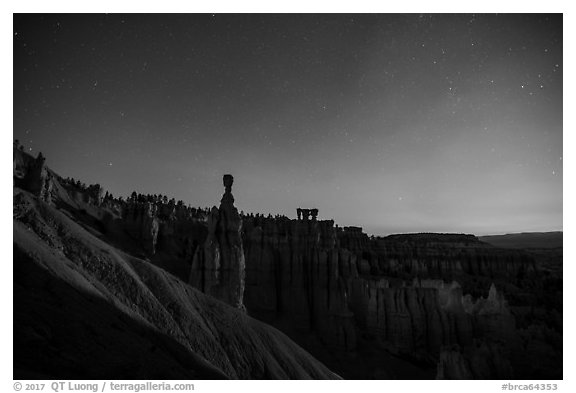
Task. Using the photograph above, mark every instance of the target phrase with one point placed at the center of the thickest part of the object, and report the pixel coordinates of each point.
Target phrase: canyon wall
(307, 276)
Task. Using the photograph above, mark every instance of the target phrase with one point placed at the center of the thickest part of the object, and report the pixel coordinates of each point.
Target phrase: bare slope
(84, 309)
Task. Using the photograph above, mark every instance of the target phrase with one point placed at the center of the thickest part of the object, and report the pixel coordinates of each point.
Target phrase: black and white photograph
(287, 196)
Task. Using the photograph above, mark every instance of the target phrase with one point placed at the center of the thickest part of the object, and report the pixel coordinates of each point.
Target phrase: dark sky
(396, 123)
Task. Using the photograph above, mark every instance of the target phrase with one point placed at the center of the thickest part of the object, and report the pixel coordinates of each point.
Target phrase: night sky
(396, 123)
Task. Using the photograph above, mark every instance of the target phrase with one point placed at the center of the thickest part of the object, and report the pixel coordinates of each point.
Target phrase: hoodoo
(218, 268)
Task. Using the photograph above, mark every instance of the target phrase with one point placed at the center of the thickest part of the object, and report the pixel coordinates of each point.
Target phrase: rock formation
(308, 276)
(307, 214)
(296, 277)
(31, 174)
(218, 268)
(447, 257)
(141, 223)
(482, 360)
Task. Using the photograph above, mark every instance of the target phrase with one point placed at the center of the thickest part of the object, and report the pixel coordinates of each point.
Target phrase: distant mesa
(526, 240)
